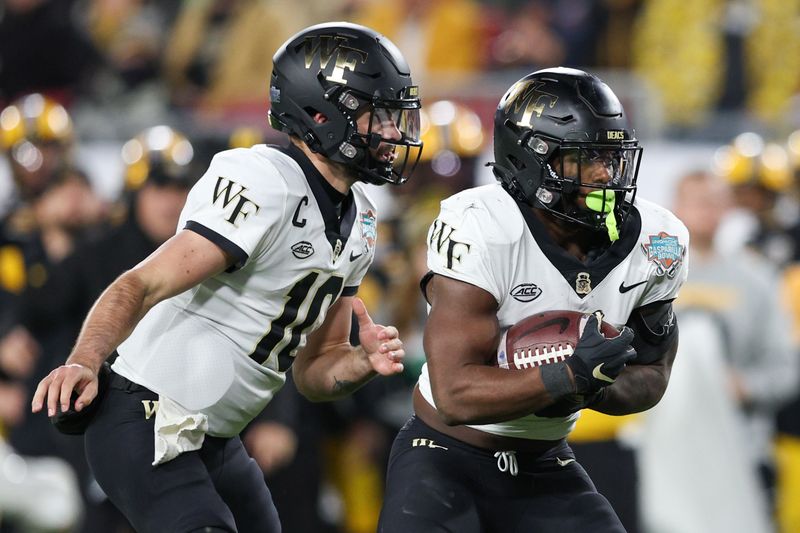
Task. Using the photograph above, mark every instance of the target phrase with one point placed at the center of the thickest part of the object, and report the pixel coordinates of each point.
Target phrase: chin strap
(603, 202)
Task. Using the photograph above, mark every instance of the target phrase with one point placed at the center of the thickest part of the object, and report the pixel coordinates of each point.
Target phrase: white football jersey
(222, 347)
(484, 238)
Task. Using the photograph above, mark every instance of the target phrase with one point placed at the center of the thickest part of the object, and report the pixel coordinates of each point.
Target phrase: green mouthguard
(604, 203)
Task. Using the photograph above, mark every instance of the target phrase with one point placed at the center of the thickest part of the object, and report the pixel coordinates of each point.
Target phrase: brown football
(544, 338)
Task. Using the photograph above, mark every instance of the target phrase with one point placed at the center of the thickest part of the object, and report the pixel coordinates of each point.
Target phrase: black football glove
(597, 361)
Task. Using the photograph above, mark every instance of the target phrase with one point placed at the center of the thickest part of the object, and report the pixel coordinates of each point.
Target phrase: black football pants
(437, 484)
(218, 486)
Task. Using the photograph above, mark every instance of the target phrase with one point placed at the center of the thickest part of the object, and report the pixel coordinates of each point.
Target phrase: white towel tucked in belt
(177, 430)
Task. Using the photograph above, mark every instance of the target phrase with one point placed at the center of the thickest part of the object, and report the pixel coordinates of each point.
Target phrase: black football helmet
(552, 130)
(342, 71)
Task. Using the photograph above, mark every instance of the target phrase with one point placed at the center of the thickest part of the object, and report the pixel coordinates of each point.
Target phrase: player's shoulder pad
(364, 200)
(657, 219)
(488, 211)
(263, 170)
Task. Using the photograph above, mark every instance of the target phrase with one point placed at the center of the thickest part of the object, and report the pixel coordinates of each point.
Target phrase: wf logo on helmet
(324, 47)
(528, 93)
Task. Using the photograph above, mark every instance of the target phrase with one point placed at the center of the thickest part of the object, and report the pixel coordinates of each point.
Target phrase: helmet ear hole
(515, 162)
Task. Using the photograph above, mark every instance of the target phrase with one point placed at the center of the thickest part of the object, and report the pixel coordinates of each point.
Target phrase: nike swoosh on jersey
(598, 374)
(625, 288)
(564, 462)
(353, 257)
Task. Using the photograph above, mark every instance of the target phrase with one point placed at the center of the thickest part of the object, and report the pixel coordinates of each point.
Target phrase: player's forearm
(479, 394)
(637, 389)
(336, 373)
(111, 320)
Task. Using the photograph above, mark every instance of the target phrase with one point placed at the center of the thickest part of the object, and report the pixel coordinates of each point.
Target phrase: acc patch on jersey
(666, 252)
(369, 229)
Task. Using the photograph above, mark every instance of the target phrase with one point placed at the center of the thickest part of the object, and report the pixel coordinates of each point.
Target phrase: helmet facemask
(590, 184)
(383, 145)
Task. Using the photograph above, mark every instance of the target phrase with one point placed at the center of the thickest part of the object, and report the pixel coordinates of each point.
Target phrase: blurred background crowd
(110, 109)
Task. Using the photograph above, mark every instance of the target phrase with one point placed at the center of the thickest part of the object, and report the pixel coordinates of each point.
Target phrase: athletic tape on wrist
(556, 380)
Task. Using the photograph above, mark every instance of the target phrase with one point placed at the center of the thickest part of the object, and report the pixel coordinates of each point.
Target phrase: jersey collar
(335, 230)
(570, 266)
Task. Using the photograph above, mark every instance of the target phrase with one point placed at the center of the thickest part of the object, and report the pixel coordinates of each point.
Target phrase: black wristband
(556, 380)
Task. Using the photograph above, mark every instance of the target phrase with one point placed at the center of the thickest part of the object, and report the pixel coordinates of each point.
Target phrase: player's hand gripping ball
(547, 338)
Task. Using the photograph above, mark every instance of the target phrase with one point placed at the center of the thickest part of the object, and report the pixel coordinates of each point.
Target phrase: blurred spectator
(679, 49)
(576, 33)
(37, 495)
(160, 168)
(694, 467)
(220, 51)
(614, 46)
(529, 38)
(54, 202)
(37, 137)
(741, 291)
(159, 171)
(130, 34)
(42, 49)
(52, 209)
(441, 39)
(761, 181)
(787, 447)
(705, 54)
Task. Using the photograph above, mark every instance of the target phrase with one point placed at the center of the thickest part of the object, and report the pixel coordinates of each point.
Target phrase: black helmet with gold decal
(343, 71)
(552, 128)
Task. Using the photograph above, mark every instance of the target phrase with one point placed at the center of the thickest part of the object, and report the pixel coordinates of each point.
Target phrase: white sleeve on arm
(667, 286)
(771, 377)
(457, 248)
(236, 204)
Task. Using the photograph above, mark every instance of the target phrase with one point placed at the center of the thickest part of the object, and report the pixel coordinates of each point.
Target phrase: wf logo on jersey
(231, 193)
(666, 252)
(441, 240)
(323, 47)
(369, 229)
(529, 95)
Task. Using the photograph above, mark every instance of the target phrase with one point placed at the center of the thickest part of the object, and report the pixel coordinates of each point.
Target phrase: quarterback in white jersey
(271, 247)
(222, 347)
(562, 230)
